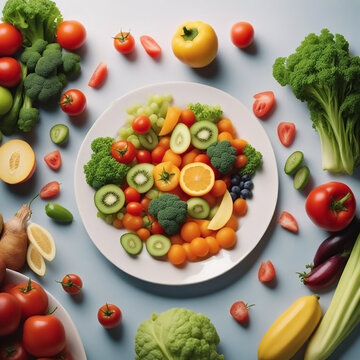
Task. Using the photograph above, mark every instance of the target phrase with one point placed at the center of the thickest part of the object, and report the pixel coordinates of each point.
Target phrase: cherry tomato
(71, 34)
(10, 39)
(157, 154)
(50, 190)
(123, 151)
(266, 271)
(12, 349)
(331, 206)
(72, 284)
(141, 124)
(109, 316)
(145, 201)
(73, 102)
(263, 103)
(286, 132)
(156, 228)
(32, 298)
(143, 156)
(187, 117)
(98, 76)
(124, 42)
(150, 45)
(43, 335)
(10, 72)
(240, 312)
(134, 208)
(242, 34)
(53, 159)
(10, 314)
(131, 194)
(203, 158)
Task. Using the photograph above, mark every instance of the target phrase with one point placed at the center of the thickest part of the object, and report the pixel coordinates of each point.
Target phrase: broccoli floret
(71, 63)
(48, 64)
(254, 160)
(36, 19)
(206, 112)
(323, 74)
(222, 155)
(28, 115)
(31, 55)
(170, 212)
(102, 168)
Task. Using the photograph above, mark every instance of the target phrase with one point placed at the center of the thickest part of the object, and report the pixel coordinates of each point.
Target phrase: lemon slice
(223, 214)
(35, 261)
(42, 240)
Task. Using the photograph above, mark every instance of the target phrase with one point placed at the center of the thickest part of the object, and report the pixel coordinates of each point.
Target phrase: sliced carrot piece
(171, 119)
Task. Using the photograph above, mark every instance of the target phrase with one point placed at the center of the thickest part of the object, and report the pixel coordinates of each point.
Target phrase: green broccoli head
(49, 63)
(71, 63)
(254, 161)
(178, 334)
(206, 112)
(222, 155)
(170, 212)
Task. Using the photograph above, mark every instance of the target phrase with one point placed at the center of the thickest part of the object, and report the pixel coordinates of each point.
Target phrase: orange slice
(196, 179)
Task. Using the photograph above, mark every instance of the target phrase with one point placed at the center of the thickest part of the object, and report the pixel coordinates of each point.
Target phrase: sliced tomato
(98, 76)
(286, 133)
(50, 190)
(240, 312)
(150, 45)
(53, 159)
(288, 222)
(266, 271)
(263, 103)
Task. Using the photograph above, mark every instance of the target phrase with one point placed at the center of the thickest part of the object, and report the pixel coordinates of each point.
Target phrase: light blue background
(279, 27)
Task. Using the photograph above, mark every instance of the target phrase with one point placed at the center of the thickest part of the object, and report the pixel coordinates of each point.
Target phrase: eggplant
(326, 273)
(337, 242)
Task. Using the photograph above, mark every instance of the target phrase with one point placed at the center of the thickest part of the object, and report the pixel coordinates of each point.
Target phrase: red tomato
(71, 34)
(157, 154)
(10, 72)
(143, 156)
(98, 76)
(266, 271)
(156, 228)
(50, 190)
(240, 312)
(242, 34)
(109, 316)
(187, 117)
(32, 298)
(73, 102)
(141, 124)
(53, 159)
(72, 284)
(331, 206)
(134, 208)
(123, 151)
(10, 314)
(10, 39)
(203, 158)
(286, 133)
(43, 335)
(124, 42)
(264, 101)
(131, 194)
(150, 45)
(12, 349)
(288, 222)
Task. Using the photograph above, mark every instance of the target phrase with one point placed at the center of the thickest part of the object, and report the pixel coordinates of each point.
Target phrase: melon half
(17, 161)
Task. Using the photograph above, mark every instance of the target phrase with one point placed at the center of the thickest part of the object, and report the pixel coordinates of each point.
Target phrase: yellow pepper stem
(189, 34)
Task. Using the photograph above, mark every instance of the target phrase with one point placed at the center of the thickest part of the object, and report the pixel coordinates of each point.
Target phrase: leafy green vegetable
(222, 155)
(323, 74)
(254, 160)
(206, 112)
(177, 334)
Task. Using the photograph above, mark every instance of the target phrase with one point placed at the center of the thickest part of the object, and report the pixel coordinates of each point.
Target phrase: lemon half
(42, 240)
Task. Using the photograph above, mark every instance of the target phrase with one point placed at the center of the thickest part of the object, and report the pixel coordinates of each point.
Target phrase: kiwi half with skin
(203, 134)
(140, 177)
(198, 208)
(109, 199)
(149, 140)
(180, 139)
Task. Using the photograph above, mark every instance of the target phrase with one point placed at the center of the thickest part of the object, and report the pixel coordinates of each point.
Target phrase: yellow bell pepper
(195, 43)
(291, 329)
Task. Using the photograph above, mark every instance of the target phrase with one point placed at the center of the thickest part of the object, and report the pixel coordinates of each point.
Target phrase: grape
(134, 140)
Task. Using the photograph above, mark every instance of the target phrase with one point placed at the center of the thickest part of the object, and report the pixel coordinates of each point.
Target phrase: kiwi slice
(149, 140)
(132, 243)
(198, 208)
(140, 176)
(109, 199)
(203, 134)
(180, 139)
(293, 162)
(158, 245)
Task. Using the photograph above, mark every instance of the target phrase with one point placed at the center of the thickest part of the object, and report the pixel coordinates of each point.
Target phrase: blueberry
(241, 184)
(235, 179)
(248, 185)
(245, 177)
(246, 194)
(234, 196)
(235, 189)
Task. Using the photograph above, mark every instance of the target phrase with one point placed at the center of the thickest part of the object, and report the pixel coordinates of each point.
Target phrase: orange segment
(196, 179)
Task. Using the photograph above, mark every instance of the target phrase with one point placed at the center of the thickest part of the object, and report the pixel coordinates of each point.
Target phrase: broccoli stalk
(28, 115)
(323, 74)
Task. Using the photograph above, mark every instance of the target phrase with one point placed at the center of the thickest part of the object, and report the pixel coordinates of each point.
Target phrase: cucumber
(132, 243)
(301, 178)
(59, 134)
(158, 245)
(293, 162)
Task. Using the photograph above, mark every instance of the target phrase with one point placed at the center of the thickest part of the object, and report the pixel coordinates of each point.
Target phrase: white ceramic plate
(73, 339)
(252, 226)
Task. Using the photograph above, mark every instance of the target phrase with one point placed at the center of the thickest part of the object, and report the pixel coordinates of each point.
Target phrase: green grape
(160, 122)
(120, 215)
(129, 119)
(109, 218)
(168, 98)
(100, 215)
(125, 132)
(158, 99)
(154, 107)
(153, 193)
(140, 111)
(133, 109)
(153, 118)
(134, 140)
(163, 109)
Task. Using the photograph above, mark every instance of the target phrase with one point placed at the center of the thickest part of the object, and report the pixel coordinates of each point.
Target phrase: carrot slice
(171, 119)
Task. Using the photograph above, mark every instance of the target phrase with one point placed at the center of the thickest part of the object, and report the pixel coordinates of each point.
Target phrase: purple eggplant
(337, 243)
(326, 273)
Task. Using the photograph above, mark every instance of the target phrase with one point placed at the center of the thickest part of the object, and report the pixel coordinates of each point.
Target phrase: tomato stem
(122, 37)
(166, 176)
(28, 287)
(68, 100)
(189, 34)
(107, 312)
(123, 151)
(338, 205)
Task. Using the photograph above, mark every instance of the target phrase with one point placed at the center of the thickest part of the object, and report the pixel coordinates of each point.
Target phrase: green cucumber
(59, 134)
(132, 243)
(158, 245)
(293, 162)
(301, 178)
